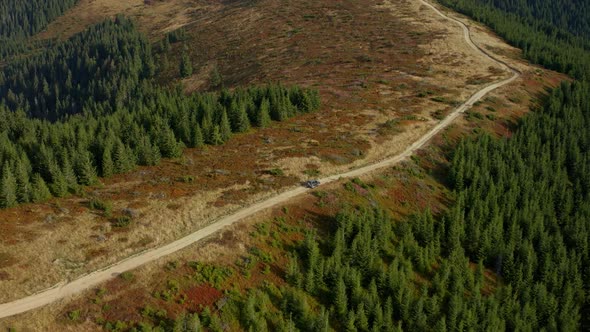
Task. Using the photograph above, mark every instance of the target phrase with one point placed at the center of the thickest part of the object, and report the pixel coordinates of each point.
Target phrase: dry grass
(372, 61)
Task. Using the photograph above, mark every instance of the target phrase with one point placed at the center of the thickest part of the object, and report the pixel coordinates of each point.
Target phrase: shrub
(210, 274)
(105, 206)
(312, 172)
(122, 221)
(276, 172)
(74, 315)
(186, 179)
(127, 276)
(172, 265)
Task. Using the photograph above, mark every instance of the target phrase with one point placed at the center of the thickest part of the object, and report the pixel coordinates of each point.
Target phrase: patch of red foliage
(126, 307)
(201, 296)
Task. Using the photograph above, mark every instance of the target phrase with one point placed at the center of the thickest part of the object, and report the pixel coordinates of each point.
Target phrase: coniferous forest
(521, 213)
(511, 253)
(91, 107)
(20, 19)
(555, 34)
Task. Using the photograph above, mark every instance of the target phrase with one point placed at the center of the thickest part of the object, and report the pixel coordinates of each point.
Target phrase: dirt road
(64, 289)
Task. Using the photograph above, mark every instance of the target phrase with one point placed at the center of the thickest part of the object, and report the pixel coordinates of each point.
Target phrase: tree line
(511, 254)
(570, 15)
(108, 114)
(555, 34)
(20, 19)
(96, 71)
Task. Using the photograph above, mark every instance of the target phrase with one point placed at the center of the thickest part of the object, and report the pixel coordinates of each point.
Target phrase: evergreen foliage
(107, 115)
(555, 34)
(97, 71)
(20, 19)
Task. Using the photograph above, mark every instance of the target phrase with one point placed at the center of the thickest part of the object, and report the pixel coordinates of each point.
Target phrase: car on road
(312, 184)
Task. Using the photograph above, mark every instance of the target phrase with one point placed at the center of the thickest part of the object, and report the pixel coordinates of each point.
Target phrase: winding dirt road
(64, 290)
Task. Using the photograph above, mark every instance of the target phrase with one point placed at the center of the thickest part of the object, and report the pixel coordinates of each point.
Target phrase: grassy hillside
(385, 73)
(400, 251)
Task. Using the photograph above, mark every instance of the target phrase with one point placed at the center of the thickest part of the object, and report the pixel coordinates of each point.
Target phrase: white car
(312, 184)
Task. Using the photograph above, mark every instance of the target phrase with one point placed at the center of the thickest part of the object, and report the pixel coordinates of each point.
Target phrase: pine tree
(198, 139)
(148, 154)
(215, 138)
(193, 323)
(59, 185)
(70, 176)
(186, 66)
(123, 159)
(351, 322)
(107, 164)
(39, 190)
(441, 325)
(8, 188)
(341, 299)
(224, 127)
(85, 169)
(307, 105)
(263, 115)
(362, 322)
(310, 283)
(388, 314)
(215, 79)
(169, 146)
(239, 118)
(23, 185)
(179, 324)
(293, 275)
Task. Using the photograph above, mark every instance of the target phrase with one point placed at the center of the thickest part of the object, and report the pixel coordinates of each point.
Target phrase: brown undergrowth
(386, 72)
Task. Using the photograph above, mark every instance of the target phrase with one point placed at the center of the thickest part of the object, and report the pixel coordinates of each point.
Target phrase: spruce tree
(123, 159)
(215, 79)
(169, 146)
(70, 176)
(59, 185)
(351, 322)
(186, 66)
(39, 190)
(224, 128)
(107, 164)
(193, 323)
(85, 169)
(148, 154)
(362, 321)
(8, 188)
(242, 122)
(341, 299)
(23, 191)
(198, 139)
(263, 115)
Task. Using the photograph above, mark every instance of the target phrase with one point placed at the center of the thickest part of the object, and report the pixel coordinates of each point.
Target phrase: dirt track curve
(64, 289)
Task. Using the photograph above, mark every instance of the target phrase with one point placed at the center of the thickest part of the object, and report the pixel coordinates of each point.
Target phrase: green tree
(107, 164)
(263, 115)
(215, 137)
(39, 190)
(169, 146)
(85, 169)
(215, 79)
(198, 138)
(186, 66)
(124, 160)
(23, 185)
(8, 188)
(341, 299)
(225, 127)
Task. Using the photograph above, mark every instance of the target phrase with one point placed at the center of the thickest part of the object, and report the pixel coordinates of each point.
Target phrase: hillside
(385, 73)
